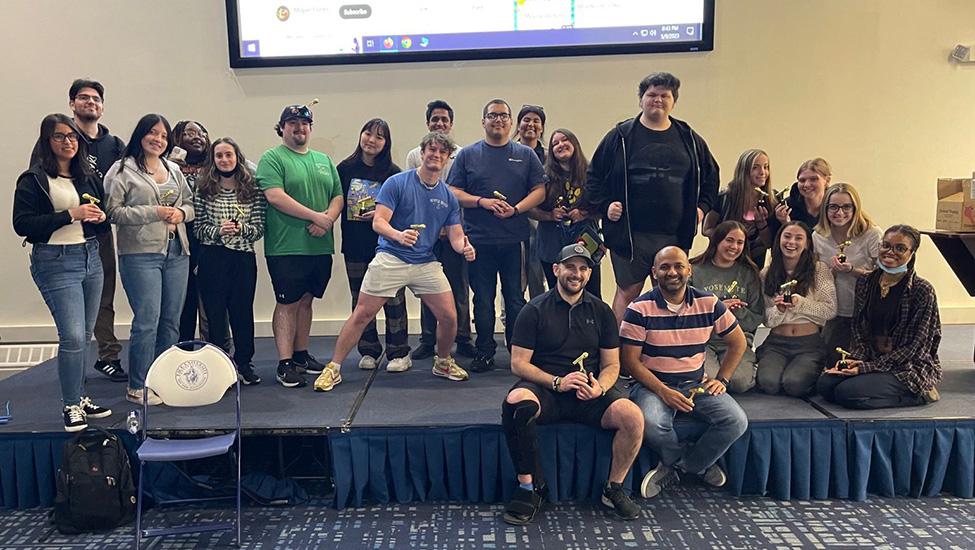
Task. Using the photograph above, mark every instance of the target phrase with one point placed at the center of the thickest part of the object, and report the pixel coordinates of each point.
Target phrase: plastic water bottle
(132, 422)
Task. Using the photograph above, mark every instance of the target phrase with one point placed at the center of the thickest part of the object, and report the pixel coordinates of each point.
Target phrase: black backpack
(94, 484)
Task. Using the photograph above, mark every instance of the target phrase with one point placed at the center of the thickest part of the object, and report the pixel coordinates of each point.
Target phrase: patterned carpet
(685, 517)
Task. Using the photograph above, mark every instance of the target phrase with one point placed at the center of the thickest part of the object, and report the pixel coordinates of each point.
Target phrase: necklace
(886, 284)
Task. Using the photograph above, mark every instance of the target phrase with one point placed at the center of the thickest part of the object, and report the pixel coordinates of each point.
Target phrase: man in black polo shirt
(565, 349)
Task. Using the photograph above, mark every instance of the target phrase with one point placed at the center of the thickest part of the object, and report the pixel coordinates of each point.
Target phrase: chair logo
(191, 375)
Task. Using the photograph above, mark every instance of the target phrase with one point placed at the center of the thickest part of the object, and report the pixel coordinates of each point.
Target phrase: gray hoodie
(132, 200)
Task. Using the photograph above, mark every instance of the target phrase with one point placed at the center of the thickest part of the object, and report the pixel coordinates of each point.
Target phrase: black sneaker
(289, 376)
(112, 369)
(74, 419)
(247, 375)
(481, 363)
(310, 365)
(466, 349)
(423, 351)
(92, 410)
(620, 502)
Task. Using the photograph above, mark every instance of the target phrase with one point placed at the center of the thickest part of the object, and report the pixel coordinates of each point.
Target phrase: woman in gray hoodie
(150, 202)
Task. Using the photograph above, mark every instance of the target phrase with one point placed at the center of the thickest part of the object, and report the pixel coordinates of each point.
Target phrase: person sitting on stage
(799, 299)
(726, 270)
(565, 349)
(664, 335)
(893, 359)
(411, 208)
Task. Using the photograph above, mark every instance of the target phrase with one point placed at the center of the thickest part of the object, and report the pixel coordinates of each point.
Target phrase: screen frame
(705, 44)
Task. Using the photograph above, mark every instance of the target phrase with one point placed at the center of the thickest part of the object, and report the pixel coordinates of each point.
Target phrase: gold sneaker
(449, 369)
(930, 396)
(330, 377)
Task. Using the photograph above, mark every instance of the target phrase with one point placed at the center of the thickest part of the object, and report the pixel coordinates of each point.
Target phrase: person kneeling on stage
(893, 357)
(665, 333)
(565, 349)
(411, 209)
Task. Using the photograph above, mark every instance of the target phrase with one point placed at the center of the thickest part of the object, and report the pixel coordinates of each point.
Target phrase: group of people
(849, 317)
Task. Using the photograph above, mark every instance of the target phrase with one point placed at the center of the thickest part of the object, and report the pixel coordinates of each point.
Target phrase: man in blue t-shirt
(411, 209)
(497, 182)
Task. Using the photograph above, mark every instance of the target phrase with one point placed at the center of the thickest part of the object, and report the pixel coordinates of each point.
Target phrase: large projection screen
(281, 33)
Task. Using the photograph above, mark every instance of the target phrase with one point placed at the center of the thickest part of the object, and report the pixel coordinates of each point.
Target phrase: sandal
(523, 507)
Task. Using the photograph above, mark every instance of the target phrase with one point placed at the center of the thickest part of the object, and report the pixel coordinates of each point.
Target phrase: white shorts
(387, 274)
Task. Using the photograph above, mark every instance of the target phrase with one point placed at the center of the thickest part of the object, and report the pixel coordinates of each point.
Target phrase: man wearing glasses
(86, 99)
(497, 182)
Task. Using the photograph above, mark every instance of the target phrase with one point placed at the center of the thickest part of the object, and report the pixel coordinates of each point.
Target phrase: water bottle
(132, 422)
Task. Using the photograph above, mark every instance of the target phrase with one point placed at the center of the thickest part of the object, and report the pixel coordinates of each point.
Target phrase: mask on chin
(229, 174)
(892, 270)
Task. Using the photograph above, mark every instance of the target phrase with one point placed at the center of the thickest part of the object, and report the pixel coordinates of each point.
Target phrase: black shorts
(294, 276)
(566, 407)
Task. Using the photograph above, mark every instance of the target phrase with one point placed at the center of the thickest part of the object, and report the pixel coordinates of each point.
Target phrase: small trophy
(561, 202)
(240, 214)
(843, 355)
(579, 362)
(90, 199)
(166, 195)
(731, 289)
(786, 289)
(695, 391)
(842, 255)
(762, 198)
(418, 226)
(779, 195)
(499, 195)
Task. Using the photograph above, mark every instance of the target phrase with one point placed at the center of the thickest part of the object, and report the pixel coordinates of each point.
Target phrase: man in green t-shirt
(304, 198)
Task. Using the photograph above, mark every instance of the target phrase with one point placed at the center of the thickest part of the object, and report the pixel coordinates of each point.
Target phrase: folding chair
(189, 374)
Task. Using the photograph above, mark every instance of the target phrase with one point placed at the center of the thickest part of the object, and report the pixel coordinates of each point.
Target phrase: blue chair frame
(169, 450)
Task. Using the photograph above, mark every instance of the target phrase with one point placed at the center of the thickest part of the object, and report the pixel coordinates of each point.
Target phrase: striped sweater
(211, 212)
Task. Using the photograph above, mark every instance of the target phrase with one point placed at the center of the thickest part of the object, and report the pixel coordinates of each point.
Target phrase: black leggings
(228, 280)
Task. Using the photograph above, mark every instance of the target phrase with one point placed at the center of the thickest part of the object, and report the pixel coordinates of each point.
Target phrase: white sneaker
(400, 364)
(657, 480)
(367, 362)
(135, 396)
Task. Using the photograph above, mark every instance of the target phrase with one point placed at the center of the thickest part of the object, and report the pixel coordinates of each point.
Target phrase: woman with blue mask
(893, 359)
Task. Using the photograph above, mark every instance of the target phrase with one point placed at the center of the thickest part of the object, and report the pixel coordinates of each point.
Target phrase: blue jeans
(494, 261)
(70, 279)
(725, 418)
(155, 285)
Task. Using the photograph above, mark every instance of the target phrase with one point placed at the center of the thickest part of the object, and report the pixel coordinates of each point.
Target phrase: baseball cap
(295, 111)
(575, 250)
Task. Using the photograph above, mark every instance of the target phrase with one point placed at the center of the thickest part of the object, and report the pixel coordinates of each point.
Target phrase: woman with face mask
(893, 359)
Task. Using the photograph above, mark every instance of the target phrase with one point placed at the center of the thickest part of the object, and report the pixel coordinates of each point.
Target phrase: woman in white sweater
(799, 299)
(150, 202)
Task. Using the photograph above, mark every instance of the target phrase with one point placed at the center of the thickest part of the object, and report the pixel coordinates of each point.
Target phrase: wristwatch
(724, 381)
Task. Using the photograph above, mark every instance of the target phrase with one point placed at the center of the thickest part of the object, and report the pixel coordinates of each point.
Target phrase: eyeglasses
(61, 138)
(84, 98)
(194, 134)
(834, 208)
(900, 249)
(498, 116)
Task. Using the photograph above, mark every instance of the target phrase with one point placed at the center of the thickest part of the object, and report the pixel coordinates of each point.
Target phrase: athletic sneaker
(657, 480)
(449, 369)
(400, 364)
(621, 503)
(112, 369)
(423, 351)
(248, 375)
(309, 365)
(330, 377)
(92, 410)
(289, 376)
(368, 362)
(482, 363)
(714, 476)
(74, 419)
(135, 396)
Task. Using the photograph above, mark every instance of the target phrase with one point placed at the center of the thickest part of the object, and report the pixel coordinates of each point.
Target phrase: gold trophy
(786, 289)
(240, 214)
(843, 355)
(779, 195)
(561, 202)
(695, 391)
(731, 290)
(90, 199)
(418, 226)
(842, 255)
(579, 362)
(165, 195)
(499, 195)
(762, 197)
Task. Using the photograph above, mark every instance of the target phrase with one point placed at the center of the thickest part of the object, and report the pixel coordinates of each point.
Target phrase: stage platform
(402, 437)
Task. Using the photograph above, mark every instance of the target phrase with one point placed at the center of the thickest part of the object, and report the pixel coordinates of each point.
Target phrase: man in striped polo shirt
(663, 335)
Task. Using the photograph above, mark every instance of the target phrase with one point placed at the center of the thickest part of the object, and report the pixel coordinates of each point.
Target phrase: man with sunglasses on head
(497, 182)
(304, 196)
(86, 99)
(440, 118)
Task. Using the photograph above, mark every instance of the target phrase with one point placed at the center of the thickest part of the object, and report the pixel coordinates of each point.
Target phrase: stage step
(18, 357)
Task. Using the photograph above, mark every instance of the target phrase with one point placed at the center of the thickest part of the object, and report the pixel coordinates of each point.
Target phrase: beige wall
(863, 83)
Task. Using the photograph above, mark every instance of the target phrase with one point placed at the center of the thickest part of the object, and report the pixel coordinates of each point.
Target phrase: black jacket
(34, 215)
(607, 182)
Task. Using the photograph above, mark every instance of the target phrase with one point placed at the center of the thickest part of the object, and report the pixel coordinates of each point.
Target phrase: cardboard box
(956, 204)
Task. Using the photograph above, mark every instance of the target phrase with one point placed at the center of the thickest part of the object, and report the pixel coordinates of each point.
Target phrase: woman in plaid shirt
(893, 359)
(230, 219)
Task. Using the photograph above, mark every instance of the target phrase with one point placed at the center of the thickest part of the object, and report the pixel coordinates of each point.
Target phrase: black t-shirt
(658, 166)
(558, 333)
(359, 241)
